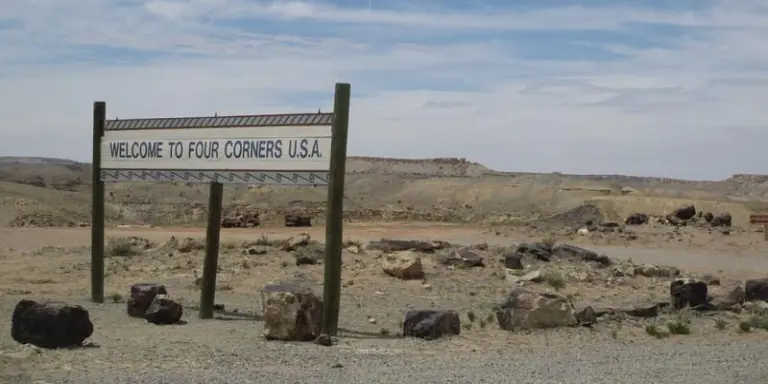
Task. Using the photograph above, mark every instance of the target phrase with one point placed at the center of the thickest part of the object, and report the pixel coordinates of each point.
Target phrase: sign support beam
(97, 209)
(211, 261)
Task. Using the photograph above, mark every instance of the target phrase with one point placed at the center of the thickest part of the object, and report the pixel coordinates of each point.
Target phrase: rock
(298, 220)
(513, 260)
(685, 212)
(354, 249)
(324, 340)
(583, 231)
(431, 324)
(688, 293)
(586, 317)
(290, 244)
(189, 244)
(636, 219)
(708, 217)
(540, 251)
(721, 220)
(652, 270)
(528, 310)
(730, 301)
(405, 265)
(389, 245)
(645, 312)
(756, 289)
(50, 324)
(676, 221)
(142, 295)
(463, 258)
(584, 254)
(255, 251)
(291, 313)
(163, 310)
(310, 255)
(533, 276)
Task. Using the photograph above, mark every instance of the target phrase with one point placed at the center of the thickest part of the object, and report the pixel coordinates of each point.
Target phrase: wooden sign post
(305, 149)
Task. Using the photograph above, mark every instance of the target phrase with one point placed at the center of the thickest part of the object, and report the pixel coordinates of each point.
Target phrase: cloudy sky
(646, 87)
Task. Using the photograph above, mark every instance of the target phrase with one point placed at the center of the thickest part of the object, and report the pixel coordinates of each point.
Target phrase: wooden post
(765, 232)
(210, 264)
(335, 210)
(97, 202)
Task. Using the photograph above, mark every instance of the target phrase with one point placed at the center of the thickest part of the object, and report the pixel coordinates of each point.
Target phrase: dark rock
(324, 340)
(164, 310)
(142, 295)
(676, 221)
(756, 289)
(462, 258)
(540, 251)
(685, 213)
(298, 220)
(636, 219)
(708, 217)
(610, 224)
(587, 317)
(513, 260)
(688, 293)
(389, 245)
(310, 255)
(50, 324)
(584, 254)
(431, 324)
(291, 313)
(721, 220)
(645, 312)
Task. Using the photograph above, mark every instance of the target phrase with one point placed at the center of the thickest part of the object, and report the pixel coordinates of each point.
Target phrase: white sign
(274, 148)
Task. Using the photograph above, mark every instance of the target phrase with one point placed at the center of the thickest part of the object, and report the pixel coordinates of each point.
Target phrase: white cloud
(690, 105)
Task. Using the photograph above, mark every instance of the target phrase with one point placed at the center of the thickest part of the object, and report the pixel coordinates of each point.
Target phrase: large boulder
(686, 212)
(142, 295)
(431, 324)
(539, 251)
(756, 289)
(688, 293)
(462, 258)
(636, 219)
(163, 310)
(405, 265)
(50, 324)
(729, 299)
(291, 313)
(529, 310)
(572, 251)
(721, 220)
(513, 260)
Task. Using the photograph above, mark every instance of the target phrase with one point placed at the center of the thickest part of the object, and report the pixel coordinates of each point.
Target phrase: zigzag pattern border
(307, 178)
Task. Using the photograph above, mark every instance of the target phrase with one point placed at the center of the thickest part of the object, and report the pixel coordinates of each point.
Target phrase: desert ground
(452, 203)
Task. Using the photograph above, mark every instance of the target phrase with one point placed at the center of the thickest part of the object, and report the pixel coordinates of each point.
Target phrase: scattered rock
(50, 324)
(586, 317)
(756, 289)
(163, 310)
(405, 265)
(539, 251)
(463, 258)
(310, 255)
(584, 254)
(636, 219)
(142, 295)
(291, 313)
(685, 212)
(298, 220)
(389, 245)
(688, 293)
(652, 270)
(721, 220)
(513, 260)
(190, 244)
(292, 243)
(730, 301)
(431, 324)
(255, 251)
(708, 217)
(535, 276)
(528, 310)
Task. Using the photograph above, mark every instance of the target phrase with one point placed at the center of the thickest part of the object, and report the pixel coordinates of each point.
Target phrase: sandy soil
(54, 263)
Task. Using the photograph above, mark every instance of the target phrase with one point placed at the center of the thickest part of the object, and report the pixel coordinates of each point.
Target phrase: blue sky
(654, 87)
